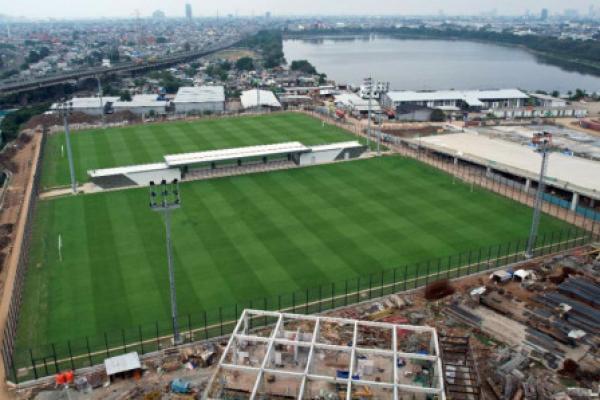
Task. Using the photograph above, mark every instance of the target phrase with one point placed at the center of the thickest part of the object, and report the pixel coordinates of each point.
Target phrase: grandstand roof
(200, 94)
(97, 173)
(567, 172)
(234, 154)
(336, 146)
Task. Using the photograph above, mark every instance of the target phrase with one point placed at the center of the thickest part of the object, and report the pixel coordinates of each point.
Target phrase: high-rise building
(544, 16)
(188, 11)
(268, 14)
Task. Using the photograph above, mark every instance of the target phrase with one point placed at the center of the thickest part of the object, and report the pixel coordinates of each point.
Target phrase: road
(15, 87)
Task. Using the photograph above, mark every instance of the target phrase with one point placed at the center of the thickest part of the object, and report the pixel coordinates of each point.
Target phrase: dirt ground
(17, 200)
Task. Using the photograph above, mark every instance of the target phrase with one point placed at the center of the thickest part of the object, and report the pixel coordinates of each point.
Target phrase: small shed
(123, 365)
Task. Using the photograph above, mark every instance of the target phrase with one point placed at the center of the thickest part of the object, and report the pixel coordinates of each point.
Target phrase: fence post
(33, 364)
(468, 272)
(157, 336)
(294, 302)
(87, 343)
(106, 344)
(358, 289)
(221, 320)
(141, 339)
(306, 304)
(190, 333)
(55, 358)
(205, 325)
(449, 266)
(498, 255)
(394, 281)
(382, 277)
(70, 354)
(346, 293)
(124, 343)
(427, 272)
(405, 275)
(332, 295)
(439, 268)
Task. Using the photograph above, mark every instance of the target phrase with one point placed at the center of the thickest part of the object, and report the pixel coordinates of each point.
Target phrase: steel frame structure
(242, 333)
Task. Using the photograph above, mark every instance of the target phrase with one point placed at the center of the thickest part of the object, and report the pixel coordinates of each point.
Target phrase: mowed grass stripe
(243, 238)
(149, 143)
(284, 248)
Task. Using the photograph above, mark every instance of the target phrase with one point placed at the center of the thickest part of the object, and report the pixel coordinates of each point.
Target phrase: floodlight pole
(543, 140)
(369, 84)
(168, 201)
(65, 109)
(101, 102)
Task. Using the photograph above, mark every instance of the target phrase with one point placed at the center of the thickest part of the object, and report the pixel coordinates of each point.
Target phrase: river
(433, 64)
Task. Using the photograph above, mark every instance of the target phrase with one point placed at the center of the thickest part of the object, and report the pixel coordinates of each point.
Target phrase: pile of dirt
(438, 290)
(410, 132)
(81, 118)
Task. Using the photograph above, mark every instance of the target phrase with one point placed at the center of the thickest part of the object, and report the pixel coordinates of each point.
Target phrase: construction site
(530, 330)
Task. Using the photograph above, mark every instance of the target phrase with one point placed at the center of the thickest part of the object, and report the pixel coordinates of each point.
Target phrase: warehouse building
(200, 99)
(454, 100)
(89, 105)
(142, 104)
(356, 105)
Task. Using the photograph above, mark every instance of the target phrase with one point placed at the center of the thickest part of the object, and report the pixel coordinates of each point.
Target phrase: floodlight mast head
(542, 139)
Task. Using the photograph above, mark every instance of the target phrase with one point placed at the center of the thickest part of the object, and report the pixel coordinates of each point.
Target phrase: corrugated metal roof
(200, 94)
(470, 95)
(122, 363)
(88, 102)
(141, 100)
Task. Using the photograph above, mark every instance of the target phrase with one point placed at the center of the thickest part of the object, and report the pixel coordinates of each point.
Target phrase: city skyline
(64, 9)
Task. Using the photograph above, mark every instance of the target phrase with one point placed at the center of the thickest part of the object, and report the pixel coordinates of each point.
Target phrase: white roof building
(564, 172)
(88, 105)
(354, 102)
(200, 99)
(251, 99)
(142, 104)
(502, 98)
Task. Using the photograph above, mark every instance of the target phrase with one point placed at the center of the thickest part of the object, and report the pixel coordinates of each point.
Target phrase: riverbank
(579, 64)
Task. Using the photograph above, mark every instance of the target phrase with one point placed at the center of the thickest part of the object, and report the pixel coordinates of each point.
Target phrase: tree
(437, 115)
(303, 66)
(555, 93)
(244, 64)
(113, 54)
(125, 96)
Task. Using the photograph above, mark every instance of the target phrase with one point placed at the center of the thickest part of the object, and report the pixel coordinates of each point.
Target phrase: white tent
(251, 99)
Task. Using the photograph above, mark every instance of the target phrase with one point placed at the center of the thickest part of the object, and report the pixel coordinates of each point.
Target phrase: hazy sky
(125, 8)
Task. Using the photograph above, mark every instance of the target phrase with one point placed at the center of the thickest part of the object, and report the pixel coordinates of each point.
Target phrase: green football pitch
(248, 237)
(143, 144)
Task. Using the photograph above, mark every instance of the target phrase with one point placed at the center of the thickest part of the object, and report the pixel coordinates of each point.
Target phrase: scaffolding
(318, 357)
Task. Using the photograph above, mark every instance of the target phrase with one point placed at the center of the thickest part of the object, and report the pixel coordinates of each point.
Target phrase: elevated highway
(21, 86)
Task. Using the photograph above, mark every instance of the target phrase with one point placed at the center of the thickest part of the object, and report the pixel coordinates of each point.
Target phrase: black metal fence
(35, 362)
(10, 328)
